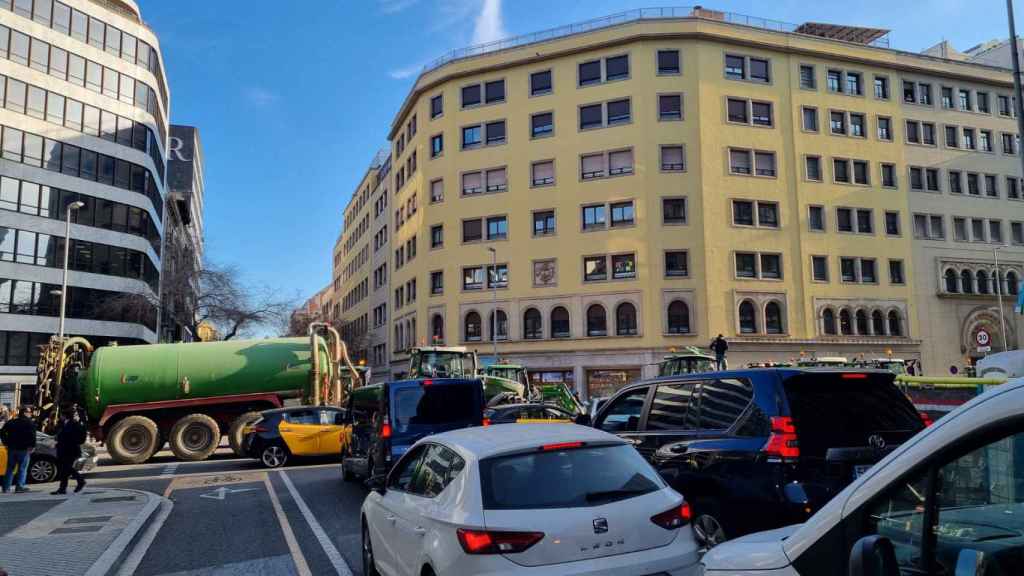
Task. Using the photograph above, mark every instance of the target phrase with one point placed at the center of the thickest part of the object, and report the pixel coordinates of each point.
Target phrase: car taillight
(491, 542)
(926, 419)
(854, 376)
(675, 517)
(560, 446)
(486, 421)
(783, 442)
(385, 430)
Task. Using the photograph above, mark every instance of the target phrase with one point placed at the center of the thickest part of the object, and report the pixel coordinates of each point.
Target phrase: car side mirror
(970, 563)
(873, 556)
(378, 483)
(583, 419)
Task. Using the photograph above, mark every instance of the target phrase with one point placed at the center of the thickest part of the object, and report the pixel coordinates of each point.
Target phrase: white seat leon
(534, 499)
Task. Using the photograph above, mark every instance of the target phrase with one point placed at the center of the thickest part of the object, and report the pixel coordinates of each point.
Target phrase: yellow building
(669, 175)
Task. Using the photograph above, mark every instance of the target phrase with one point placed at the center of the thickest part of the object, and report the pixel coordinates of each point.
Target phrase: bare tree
(215, 295)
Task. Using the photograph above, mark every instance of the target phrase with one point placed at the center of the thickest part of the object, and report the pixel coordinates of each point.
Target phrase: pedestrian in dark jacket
(19, 436)
(70, 438)
(719, 346)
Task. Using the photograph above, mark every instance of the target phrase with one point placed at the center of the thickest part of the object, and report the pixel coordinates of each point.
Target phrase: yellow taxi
(533, 413)
(298, 431)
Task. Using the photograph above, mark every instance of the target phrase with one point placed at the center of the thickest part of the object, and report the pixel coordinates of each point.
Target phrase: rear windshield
(832, 412)
(570, 478)
(437, 405)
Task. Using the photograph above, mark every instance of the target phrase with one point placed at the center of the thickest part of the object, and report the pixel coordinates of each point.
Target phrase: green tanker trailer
(138, 398)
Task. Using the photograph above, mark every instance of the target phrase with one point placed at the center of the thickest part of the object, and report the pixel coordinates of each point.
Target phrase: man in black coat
(69, 449)
(720, 346)
(19, 436)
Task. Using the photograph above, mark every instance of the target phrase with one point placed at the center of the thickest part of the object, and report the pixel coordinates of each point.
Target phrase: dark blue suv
(763, 448)
(389, 418)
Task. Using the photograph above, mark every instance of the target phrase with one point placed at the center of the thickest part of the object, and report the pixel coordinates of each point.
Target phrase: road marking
(340, 566)
(223, 491)
(289, 537)
(169, 470)
(212, 480)
(131, 563)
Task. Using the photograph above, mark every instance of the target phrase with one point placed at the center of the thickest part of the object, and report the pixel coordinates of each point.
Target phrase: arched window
(502, 330)
(1012, 283)
(560, 322)
(862, 322)
(678, 318)
(437, 329)
(410, 333)
(748, 318)
(532, 325)
(877, 323)
(982, 277)
(597, 321)
(773, 318)
(967, 282)
(828, 320)
(895, 324)
(952, 283)
(398, 337)
(845, 322)
(625, 319)
(473, 327)
(997, 283)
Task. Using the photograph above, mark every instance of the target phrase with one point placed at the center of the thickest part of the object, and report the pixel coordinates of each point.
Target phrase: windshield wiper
(614, 494)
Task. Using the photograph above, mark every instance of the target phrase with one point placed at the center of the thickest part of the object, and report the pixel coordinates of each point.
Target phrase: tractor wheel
(194, 437)
(132, 440)
(235, 432)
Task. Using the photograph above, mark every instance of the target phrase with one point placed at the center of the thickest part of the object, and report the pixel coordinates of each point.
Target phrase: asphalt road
(231, 516)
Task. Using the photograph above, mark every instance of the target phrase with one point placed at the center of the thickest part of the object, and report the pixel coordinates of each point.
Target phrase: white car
(949, 501)
(537, 499)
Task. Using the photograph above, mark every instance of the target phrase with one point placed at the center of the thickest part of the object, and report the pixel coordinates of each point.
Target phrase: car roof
(481, 442)
(782, 372)
(287, 409)
(524, 405)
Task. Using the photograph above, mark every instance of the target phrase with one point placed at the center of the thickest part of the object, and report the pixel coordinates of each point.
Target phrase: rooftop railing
(635, 15)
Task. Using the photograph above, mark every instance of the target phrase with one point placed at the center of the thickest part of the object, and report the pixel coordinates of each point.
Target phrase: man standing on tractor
(720, 346)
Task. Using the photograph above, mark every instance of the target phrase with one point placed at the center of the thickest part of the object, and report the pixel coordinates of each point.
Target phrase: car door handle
(419, 531)
(635, 441)
(391, 518)
(678, 449)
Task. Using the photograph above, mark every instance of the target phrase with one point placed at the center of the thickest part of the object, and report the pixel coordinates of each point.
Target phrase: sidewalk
(89, 533)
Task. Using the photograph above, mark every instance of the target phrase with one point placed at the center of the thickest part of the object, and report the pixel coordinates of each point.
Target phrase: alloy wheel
(368, 564)
(273, 456)
(42, 471)
(709, 531)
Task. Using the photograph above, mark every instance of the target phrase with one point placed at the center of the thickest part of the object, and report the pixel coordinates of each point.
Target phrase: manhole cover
(87, 520)
(76, 529)
(113, 499)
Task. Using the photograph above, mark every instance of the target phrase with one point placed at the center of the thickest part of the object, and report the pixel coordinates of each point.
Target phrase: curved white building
(84, 109)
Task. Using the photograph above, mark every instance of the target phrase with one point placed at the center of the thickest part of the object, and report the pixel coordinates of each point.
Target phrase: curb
(119, 549)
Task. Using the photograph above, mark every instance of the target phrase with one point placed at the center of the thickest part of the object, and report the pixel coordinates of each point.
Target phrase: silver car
(43, 462)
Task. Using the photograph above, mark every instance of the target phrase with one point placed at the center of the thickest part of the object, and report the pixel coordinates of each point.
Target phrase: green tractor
(514, 376)
(459, 362)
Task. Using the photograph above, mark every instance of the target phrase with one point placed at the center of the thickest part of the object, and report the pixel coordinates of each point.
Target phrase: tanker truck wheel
(194, 437)
(235, 432)
(133, 440)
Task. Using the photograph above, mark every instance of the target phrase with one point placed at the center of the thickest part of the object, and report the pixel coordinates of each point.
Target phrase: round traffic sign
(982, 337)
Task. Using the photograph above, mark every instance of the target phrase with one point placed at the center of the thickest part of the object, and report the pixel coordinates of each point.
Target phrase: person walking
(70, 438)
(19, 436)
(719, 346)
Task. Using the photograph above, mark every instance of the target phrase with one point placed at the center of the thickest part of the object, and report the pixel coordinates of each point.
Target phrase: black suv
(763, 448)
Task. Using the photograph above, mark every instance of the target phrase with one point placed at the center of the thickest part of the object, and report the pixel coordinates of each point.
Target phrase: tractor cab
(442, 362)
(509, 381)
(690, 362)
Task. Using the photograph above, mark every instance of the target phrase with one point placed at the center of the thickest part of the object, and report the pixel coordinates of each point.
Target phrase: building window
(436, 106)
(620, 162)
(673, 210)
(473, 278)
(678, 317)
(676, 264)
(740, 162)
(816, 218)
(544, 223)
(533, 328)
(969, 141)
(985, 140)
(773, 323)
(750, 213)
(810, 118)
(497, 228)
(955, 180)
(597, 321)
(672, 159)
(995, 231)
(437, 236)
(841, 170)
(892, 223)
(437, 191)
(470, 95)
(1009, 143)
(913, 130)
(560, 322)
(436, 330)
(615, 68)
(896, 272)
(991, 188)
(497, 276)
(542, 173)
(497, 180)
(625, 320)
(895, 324)
(595, 268)
(965, 99)
(622, 214)
(594, 217)
(624, 266)
(591, 116)
(540, 83)
(499, 332)
(473, 327)
(813, 168)
(472, 183)
(747, 68)
(819, 268)
(436, 145)
(472, 230)
(618, 112)
(808, 80)
(668, 62)
(1017, 232)
(858, 126)
(437, 282)
(837, 123)
(542, 125)
(885, 128)
(746, 265)
(828, 320)
(748, 318)
(592, 166)
(881, 87)
(670, 107)
(737, 111)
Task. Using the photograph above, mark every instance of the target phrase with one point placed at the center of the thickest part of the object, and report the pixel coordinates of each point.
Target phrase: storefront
(538, 377)
(605, 382)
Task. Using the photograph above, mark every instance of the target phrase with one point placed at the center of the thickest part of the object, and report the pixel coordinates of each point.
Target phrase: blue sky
(294, 98)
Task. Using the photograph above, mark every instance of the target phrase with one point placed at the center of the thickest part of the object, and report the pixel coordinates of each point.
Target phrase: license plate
(860, 469)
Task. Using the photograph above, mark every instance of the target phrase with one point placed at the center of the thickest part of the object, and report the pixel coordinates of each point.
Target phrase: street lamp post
(999, 293)
(64, 281)
(493, 278)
